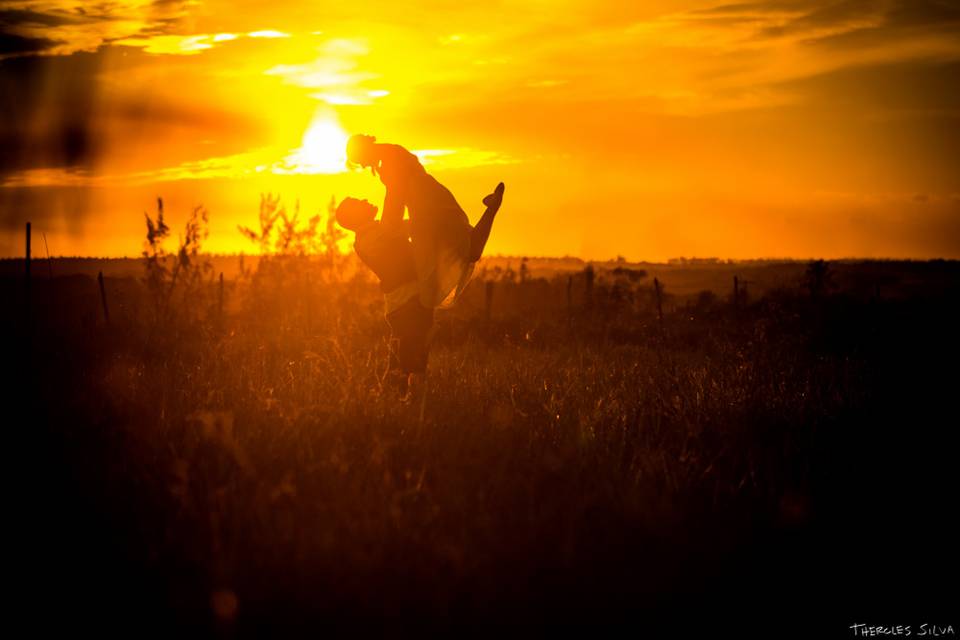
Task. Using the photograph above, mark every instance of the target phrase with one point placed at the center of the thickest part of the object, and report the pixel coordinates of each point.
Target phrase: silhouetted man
(445, 245)
(386, 250)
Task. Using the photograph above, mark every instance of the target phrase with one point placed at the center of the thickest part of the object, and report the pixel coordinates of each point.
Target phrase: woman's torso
(427, 201)
(439, 229)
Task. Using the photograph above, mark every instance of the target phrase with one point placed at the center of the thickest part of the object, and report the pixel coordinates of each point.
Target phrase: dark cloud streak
(806, 17)
(12, 44)
(19, 17)
(22, 29)
(45, 121)
(828, 15)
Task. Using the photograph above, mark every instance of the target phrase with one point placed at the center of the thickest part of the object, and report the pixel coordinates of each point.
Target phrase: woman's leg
(481, 232)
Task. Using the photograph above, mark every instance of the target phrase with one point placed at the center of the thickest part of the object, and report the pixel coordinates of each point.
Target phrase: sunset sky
(648, 129)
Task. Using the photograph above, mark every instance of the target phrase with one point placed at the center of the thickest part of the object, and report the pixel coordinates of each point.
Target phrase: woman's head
(353, 214)
(361, 150)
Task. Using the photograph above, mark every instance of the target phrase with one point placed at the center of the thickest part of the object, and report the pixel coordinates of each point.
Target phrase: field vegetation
(225, 456)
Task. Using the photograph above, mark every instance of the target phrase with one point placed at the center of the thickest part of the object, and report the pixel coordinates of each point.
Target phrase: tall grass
(572, 464)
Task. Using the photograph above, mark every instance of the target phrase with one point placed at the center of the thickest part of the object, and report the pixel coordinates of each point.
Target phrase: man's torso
(388, 254)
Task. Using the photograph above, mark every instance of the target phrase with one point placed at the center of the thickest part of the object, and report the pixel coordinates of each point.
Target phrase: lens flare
(323, 149)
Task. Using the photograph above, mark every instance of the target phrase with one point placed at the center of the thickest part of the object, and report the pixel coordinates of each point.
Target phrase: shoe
(494, 199)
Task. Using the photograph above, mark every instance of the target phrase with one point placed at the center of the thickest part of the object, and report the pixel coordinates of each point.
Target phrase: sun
(323, 149)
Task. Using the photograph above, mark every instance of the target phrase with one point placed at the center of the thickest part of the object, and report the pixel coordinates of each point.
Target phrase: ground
(779, 464)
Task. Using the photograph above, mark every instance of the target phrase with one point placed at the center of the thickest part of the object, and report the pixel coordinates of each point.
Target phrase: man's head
(354, 214)
(361, 150)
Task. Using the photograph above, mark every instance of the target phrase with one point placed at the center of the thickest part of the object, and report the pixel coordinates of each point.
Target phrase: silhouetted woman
(445, 246)
(388, 252)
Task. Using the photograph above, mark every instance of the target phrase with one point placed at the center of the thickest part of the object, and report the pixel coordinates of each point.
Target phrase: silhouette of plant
(295, 259)
(282, 234)
(269, 212)
(175, 280)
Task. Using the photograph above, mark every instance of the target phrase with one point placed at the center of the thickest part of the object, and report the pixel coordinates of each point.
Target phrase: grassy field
(240, 467)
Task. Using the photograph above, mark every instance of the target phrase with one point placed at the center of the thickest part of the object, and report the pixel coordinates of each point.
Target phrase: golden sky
(798, 128)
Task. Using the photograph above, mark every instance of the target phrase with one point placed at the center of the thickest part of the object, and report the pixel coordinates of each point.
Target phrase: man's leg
(418, 353)
(412, 324)
(481, 232)
(396, 376)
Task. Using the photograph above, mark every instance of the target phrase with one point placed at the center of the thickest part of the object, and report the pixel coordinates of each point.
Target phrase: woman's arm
(395, 176)
(393, 206)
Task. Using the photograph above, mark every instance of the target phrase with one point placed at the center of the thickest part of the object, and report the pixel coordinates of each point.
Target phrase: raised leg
(481, 232)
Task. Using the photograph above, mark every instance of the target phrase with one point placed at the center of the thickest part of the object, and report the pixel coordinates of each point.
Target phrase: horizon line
(674, 261)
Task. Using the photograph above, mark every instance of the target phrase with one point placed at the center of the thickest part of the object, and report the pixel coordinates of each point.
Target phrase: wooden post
(744, 294)
(588, 294)
(569, 297)
(103, 298)
(488, 308)
(220, 301)
(27, 253)
(736, 294)
(27, 302)
(656, 290)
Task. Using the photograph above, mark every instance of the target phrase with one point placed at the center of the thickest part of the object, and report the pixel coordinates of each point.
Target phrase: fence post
(569, 297)
(103, 298)
(656, 290)
(736, 295)
(488, 304)
(26, 275)
(220, 299)
(588, 295)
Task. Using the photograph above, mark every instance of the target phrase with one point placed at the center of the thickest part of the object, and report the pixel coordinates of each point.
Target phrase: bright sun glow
(323, 149)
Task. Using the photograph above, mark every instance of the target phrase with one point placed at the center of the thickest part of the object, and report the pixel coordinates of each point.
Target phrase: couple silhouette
(423, 261)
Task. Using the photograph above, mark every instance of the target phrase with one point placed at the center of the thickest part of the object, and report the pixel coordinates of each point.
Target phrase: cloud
(829, 18)
(179, 44)
(268, 33)
(351, 96)
(88, 112)
(337, 71)
(14, 17)
(934, 24)
(755, 47)
(781, 96)
(46, 120)
(462, 158)
(236, 166)
(170, 44)
(886, 88)
(15, 45)
(62, 27)
(834, 21)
